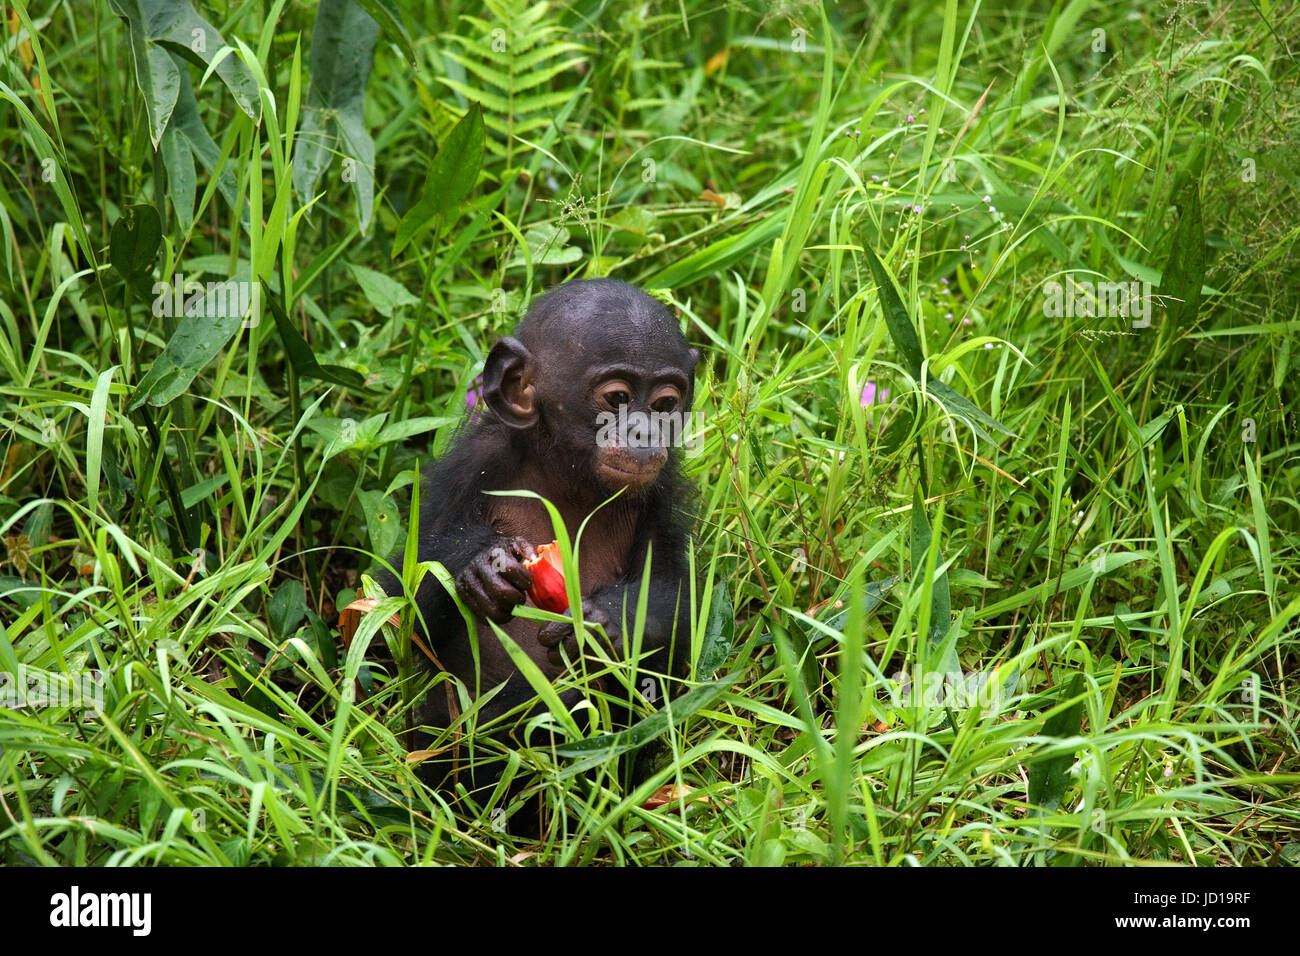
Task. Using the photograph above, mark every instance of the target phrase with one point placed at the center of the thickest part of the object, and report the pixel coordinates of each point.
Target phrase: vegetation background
(984, 577)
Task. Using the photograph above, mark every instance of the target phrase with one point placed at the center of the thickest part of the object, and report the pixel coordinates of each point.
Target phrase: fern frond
(514, 64)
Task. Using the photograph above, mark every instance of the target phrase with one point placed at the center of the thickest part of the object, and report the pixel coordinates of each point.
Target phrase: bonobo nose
(651, 457)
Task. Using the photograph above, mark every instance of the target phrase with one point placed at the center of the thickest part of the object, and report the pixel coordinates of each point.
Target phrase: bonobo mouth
(632, 478)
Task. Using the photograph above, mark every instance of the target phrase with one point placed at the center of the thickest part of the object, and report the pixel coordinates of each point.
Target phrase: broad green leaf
(897, 320)
(176, 25)
(382, 521)
(134, 241)
(185, 140)
(158, 28)
(203, 490)
(342, 50)
(386, 14)
(940, 601)
(452, 174)
(548, 245)
(400, 431)
(300, 353)
(196, 341)
(324, 640)
(1050, 776)
(179, 163)
(359, 152)
(959, 406)
(38, 524)
(719, 633)
(384, 293)
(1184, 271)
(286, 608)
(633, 225)
(313, 150)
(156, 75)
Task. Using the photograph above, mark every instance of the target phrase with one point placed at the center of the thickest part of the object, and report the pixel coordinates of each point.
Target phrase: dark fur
(568, 332)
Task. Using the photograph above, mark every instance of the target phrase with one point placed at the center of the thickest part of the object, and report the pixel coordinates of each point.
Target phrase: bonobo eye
(615, 394)
(665, 400)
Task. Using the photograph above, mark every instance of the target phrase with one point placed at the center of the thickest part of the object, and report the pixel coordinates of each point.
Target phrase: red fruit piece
(548, 579)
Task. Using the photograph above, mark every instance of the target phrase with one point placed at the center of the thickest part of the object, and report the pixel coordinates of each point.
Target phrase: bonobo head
(600, 380)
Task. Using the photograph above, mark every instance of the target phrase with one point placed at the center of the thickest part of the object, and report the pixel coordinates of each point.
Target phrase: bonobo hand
(496, 580)
(556, 634)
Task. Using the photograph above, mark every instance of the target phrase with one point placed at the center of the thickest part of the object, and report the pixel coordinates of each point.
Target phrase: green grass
(1089, 525)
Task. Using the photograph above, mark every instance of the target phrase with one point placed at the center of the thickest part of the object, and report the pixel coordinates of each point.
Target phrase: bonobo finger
(521, 548)
(466, 581)
(552, 633)
(506, 560)
(486, 593)
(503, 597)
(556, 654)
(595, 615)
(557, 636)
(470, 588)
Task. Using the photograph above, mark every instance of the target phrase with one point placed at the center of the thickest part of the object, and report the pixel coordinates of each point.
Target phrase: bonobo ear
(508, 384)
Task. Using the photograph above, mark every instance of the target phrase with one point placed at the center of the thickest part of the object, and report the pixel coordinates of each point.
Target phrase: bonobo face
(618, 388)
(639, 412)
(601, 374)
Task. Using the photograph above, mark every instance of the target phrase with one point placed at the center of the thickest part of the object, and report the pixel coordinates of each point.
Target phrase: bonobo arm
(489, 574)
(455, 531)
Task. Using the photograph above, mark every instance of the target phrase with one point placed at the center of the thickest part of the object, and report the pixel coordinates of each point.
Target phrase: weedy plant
(996, 542)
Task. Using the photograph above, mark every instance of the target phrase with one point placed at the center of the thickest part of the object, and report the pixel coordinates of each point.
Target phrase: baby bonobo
(569, 406)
